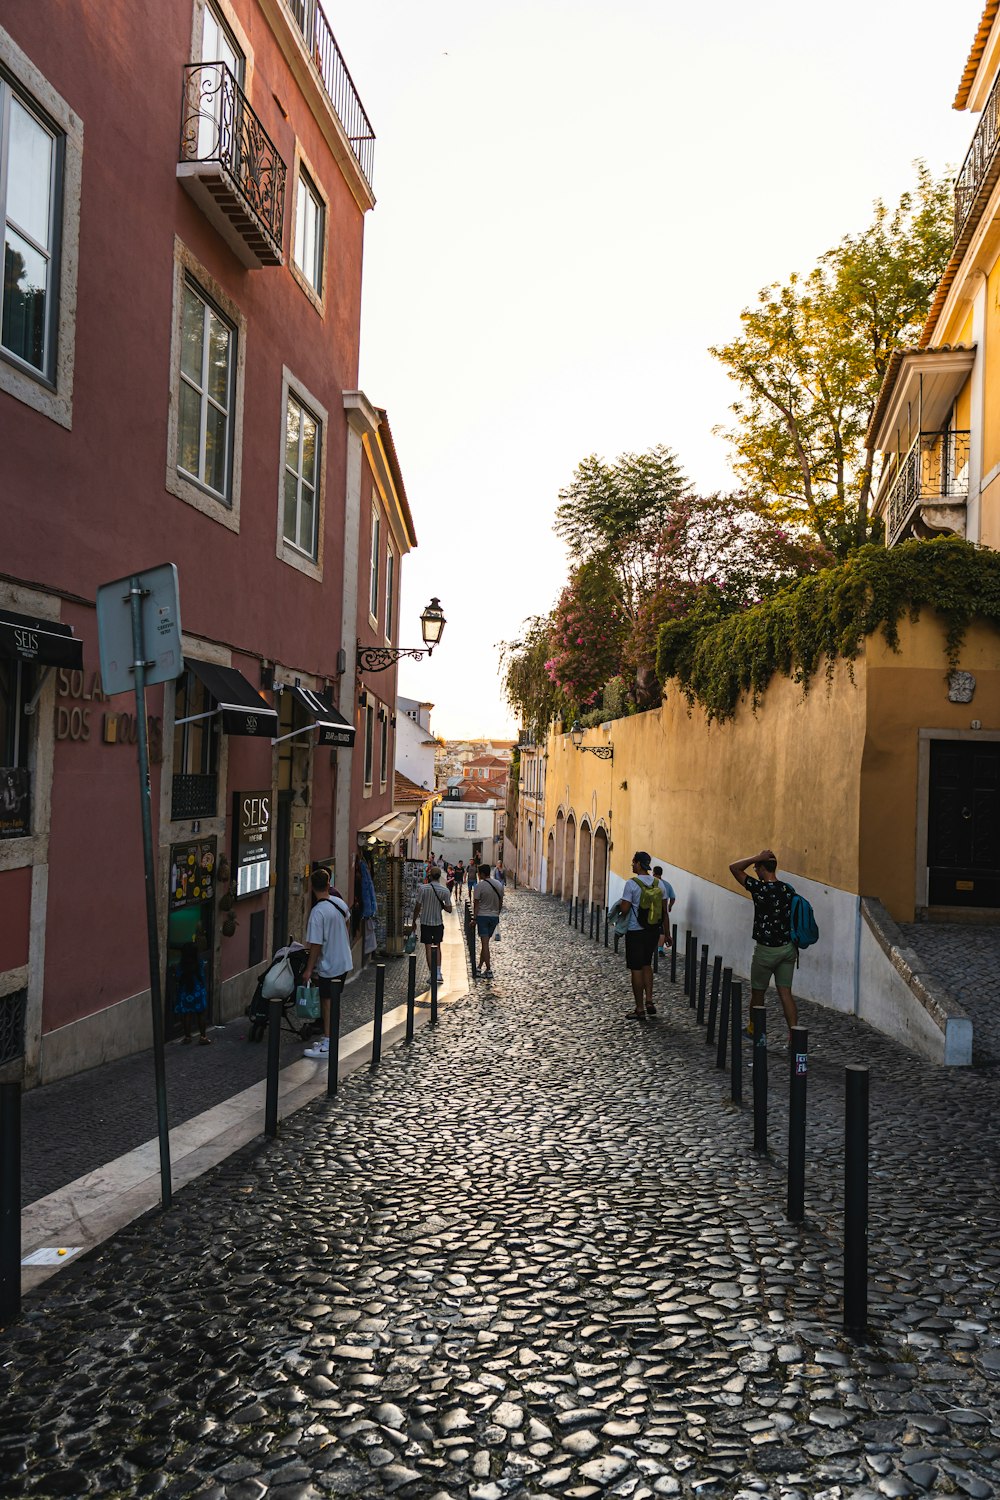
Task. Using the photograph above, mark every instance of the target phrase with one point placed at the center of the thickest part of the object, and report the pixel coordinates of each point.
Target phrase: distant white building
(468, 823)
(415, 744)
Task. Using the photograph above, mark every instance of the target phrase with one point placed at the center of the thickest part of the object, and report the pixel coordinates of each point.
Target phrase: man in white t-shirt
(432, 901)
(328, 938)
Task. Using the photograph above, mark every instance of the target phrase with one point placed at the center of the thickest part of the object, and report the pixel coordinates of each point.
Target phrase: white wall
(413, 757)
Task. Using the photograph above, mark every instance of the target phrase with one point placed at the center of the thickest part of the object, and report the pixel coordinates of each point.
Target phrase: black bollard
(605, 929)
(656, 959)
(436, 954)
(687, 962)
(470, 938)
(273, 1065)
(693, 988)
(798, 1070)
(673, 955)
(379, 1013)
(595, 916)
(856, 1199)
(10, 1200)
(571, 911)
(727, 985)
(758, 1020)
(736, 1043)
(411, 994)
(713, 1004)
(702, 981)
(333, 1066)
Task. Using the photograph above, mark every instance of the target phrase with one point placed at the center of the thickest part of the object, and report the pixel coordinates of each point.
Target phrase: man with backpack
(328, 939)
(774, 950)
(642, 902)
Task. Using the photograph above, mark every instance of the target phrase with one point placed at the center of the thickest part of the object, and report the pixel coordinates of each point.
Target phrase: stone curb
(940, 1005)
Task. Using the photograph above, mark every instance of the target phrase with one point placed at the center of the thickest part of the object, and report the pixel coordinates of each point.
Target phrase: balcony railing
(321, 45)
(936, 469)
(220, 130)
(194, 797)
(981, 163)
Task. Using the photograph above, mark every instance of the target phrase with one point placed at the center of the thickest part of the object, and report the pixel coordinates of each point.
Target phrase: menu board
(192, 873)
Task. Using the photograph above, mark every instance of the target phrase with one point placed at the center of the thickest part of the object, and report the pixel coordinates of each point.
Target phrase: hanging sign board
(252, 828)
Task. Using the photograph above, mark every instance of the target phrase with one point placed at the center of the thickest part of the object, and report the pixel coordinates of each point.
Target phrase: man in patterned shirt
(774, 952)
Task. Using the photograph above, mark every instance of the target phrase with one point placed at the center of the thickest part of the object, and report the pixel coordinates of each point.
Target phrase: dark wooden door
(963, 823)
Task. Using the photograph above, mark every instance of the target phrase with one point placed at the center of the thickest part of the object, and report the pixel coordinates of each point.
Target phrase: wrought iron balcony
(982, 163)
(194, 797)
(230, 165)
(321, 45)
(934, 473)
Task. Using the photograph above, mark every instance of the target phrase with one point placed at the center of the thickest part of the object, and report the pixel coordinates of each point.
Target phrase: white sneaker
(318, 1049)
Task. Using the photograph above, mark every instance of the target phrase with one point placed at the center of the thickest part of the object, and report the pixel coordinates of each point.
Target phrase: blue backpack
(802, 922)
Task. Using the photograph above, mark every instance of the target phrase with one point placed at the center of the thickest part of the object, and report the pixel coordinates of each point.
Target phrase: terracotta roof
(479, 791)
(892, 372)
(405, 790)
(976, 54)
(397, 474)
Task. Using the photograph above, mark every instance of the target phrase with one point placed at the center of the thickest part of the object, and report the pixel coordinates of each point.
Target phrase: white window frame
(383, 751)
(51, 393)
(301, 482)
(437, 821)
(225, 512)
(390, 587)
(286, 550)
(206, 401)
(471, 821)
(47, 252)
(376, 544)
(307, 180)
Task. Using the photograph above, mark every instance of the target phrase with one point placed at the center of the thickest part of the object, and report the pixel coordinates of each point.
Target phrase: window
(390, 583)
(218, 45)
(309, 231)
(30, 193)
(204, 437)
(194, 793)
(302, 442)
(383, 769)
(470, 822)
(369, 743)
(437, 821)
(16, 686)
(373, 589)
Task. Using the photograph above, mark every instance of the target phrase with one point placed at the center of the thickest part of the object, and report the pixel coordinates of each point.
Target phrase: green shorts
(777, 961)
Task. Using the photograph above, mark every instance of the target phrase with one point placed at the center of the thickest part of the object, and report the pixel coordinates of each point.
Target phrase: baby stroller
(258, 1010)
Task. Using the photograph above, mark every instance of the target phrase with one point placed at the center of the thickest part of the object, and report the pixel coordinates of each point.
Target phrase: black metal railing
(218, 125)
(337, 81)
(935, 468)
(12, 1009)
(979, 160)
(194, 796)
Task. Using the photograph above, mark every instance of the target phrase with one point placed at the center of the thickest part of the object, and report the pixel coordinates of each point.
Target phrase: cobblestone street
(535, 1256)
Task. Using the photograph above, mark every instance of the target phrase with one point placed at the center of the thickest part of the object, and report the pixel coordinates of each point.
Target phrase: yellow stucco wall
(829, 779)
(991, 375)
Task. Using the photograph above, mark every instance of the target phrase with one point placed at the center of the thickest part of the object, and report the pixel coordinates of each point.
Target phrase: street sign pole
(135, 596)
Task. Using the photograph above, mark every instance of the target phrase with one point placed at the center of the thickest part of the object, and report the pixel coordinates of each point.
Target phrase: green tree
(529, 689)
(587, 634)
(615, 512)
(812, 356)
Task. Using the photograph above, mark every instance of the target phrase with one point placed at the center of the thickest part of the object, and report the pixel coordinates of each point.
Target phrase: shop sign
(192, 873)
(15, 802)
(252, 827)
(76, 692)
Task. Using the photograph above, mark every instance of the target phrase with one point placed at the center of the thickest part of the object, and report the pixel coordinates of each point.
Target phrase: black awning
(333, 728)
(45, 642)
(243, 710)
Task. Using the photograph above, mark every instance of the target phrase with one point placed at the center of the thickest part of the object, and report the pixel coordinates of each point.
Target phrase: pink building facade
(184, 212)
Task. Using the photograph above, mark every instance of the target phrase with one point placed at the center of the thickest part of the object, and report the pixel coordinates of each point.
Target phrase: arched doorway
(550, 863)
(569, 860)
(557, 879)
(583, 882)
(599, 878)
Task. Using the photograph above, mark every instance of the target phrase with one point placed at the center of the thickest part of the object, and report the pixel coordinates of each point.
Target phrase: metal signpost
(139, 635)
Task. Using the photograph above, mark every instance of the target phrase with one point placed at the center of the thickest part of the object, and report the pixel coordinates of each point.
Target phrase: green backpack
(650, 913)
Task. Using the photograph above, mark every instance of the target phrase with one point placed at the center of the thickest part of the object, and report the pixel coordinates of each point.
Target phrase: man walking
(328, 938)
(645, 922)
(774, 952)
(487, 904)
(432, 900)
(669, 897)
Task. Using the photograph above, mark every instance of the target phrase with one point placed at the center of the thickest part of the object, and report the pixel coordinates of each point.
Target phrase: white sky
(575, 198)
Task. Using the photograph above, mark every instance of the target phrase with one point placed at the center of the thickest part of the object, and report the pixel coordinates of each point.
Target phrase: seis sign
(252, 827)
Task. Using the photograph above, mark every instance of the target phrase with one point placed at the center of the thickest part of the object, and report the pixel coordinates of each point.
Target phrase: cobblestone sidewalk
(534, 1256)
(77, 1124)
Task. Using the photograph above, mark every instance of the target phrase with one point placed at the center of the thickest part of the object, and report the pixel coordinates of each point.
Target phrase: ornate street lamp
(603, 752)
(377, 658)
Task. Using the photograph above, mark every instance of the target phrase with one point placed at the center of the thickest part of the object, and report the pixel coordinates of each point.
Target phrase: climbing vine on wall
(718, 658)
